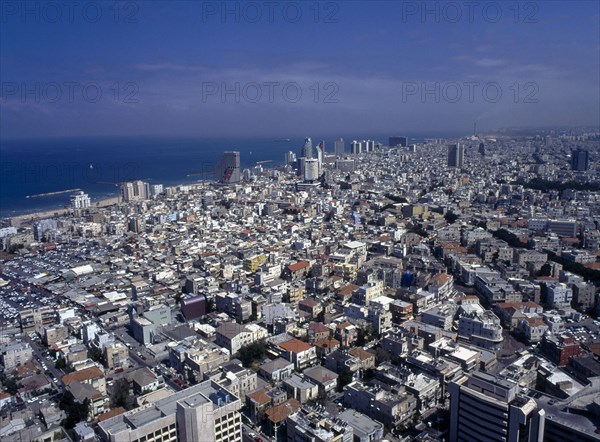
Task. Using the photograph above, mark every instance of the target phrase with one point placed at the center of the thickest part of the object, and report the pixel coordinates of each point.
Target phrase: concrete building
(306, 425)
(483, 407)
(233, 336)
(227, 171)
(204, 412)
(35, 319)
(456, 155)
(14, 355)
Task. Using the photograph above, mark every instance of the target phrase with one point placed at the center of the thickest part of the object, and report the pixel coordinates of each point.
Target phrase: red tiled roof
(83, 375)
(295, 346)
(298, 266)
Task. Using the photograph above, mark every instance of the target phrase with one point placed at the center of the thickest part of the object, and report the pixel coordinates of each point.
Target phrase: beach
(31, 217)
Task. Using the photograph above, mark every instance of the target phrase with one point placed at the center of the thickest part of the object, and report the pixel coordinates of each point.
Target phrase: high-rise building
(320, 158)
(482, 148)
(398, 141)
(307, 149)
(339, 147)
(290, 157)
(228, 169)
(322, 146)
(356, 147)
(483, 407)
(80, 200)
(135, 191)
(456, 155)
(311, 170)
(579, 159)
(301, 166)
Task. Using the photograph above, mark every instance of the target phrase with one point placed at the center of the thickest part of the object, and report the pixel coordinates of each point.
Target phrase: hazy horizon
(238, 69)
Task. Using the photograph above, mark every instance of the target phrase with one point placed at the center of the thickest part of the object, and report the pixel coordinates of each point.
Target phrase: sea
(30, 168)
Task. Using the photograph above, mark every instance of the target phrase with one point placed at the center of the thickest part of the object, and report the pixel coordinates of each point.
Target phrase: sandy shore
(30, 217)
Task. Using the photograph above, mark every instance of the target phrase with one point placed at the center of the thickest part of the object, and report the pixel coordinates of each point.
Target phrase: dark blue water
(94, 165)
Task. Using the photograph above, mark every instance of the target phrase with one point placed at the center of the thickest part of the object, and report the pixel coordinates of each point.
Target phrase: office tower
(311, 170)
(482, 148)
(301, 166)
(135, 191)
(80, 200)
(456, 155)
(290, 157)
(307, 149)
(204, 412)
(483, 407)
(322, 146)
(398, 141)
(579, 159)
(320, 157)
(339, 147)
(356, 147)
(228, 169)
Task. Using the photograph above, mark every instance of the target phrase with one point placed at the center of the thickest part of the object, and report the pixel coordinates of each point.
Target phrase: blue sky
(186, 69)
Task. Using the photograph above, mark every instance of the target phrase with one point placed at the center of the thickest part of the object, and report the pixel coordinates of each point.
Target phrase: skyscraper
(356, 147)
(320, 157)
(483, 407)
(228, 169)
(339, 147)
(456, 155)
(290, 157)
(311, 170)
(579, 159)
(482, 148)
(307, 149)
(135, 191)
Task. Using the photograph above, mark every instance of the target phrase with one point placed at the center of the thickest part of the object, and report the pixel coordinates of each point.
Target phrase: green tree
(61, 363)
(121, 396)
(96, 355)
(75, 411)
(252, 352)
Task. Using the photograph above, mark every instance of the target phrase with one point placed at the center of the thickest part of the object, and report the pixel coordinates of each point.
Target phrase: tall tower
(579, 159)
(311, 170)
(456, 155)
(482, 149)
(356, 147)
(227, 170)
(339, 147)
(307, 149)
(320, 157)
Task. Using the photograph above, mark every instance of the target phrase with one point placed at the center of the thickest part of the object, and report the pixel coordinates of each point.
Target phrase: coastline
(51, 213)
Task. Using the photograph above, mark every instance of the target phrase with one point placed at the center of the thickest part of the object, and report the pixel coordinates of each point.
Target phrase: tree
(75, 411)
(252, 352)
(381, 356)
(121, 396)
(96, 355)
(10, 384)
(61, 363)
